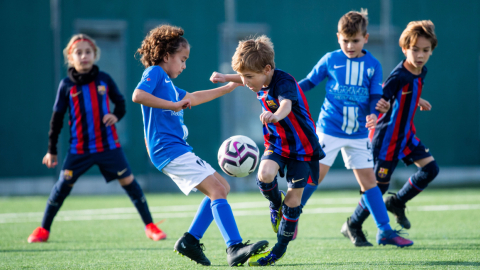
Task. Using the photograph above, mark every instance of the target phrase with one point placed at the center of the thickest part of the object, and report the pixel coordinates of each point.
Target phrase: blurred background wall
(34, 34)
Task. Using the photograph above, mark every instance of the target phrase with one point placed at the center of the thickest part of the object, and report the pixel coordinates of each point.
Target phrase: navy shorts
(112, 163)
(299, 173)
(384, 169)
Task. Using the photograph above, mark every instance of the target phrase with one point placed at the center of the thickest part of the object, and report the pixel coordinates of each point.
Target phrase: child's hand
(181, 105)
(371, 121)
(382, 106)
(424, 105)
(109, 119)
(217, 77)
(50, 160)
(268, 117)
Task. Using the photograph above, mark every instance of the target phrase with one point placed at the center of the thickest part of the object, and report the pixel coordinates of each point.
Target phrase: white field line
(183, 211)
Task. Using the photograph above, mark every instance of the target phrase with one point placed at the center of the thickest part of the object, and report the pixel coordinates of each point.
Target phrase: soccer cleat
(38, 235)
(153, 232)
(276, 214)
(391, 237)
(264, 259)
(295, 233)
(238, 254)
(193, 251)
(397, 208)
(355, 234)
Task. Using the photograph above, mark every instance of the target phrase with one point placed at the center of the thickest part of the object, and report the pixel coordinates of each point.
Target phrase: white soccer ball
(238, 156)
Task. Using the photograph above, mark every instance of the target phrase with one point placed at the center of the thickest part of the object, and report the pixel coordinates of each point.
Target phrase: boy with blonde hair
(354, 86)
(289, 133)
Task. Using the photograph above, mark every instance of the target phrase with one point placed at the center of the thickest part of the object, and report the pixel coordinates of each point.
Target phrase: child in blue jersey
(86, 94)
(394, 137)
(354, 86)
(290, 139)
(164, 53)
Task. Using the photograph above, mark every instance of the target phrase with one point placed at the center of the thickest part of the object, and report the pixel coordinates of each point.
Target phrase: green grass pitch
(105, 232)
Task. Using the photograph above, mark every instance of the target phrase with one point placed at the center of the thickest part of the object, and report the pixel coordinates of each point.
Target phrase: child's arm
(141, 97)
(119, 101)
(199, 97)
(221, 78)
(424, 105)
(282, 112)
(318, 74)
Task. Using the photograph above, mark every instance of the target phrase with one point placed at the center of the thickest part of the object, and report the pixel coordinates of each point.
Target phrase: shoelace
(400, 232)
(239, 245)
(270, 259)
(202, 247)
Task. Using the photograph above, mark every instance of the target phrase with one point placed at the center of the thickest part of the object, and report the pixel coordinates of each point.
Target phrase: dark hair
(417, 29)
(162, 40)
(353, 22)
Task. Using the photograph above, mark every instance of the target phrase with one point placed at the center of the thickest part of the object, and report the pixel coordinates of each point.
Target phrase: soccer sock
(286, 229)
(418, 182)
(271, 192)
(202, 219)
(374, 201)
(223, 216)
(58, 194)
(360, 214)
(307, 193)
(135, 193)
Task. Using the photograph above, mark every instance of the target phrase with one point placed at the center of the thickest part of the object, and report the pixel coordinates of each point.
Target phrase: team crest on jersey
(370, 72)
(67, 174)
(382, 172)
(271, 104)
(268, 152)
(101, 89)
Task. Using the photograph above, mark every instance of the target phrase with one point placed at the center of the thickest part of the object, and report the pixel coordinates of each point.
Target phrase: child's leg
(57, 196)
(267, 182)
(135, 192)
(310, 188)
(202, 219)
(428, 170)
(291, 214)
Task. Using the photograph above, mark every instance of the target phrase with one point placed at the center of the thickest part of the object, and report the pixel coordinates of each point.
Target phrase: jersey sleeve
(61, 101)
(319, 71)
(376, 82)
(391, 87)
(286, 89)
(56, 122)
(181, 93)
(117, 99)
(150, 78)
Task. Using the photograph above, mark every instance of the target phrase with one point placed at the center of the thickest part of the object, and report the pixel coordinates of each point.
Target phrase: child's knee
(266, 175)
(219, 192)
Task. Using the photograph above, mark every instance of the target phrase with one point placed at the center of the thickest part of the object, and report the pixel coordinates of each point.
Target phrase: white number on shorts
(350, 123)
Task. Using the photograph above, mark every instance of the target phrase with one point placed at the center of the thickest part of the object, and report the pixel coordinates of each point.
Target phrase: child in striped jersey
(86, 94)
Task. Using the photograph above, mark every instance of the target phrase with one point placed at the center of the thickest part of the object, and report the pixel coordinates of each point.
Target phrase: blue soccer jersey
(350, 82)
(394, 137)
(165, 132)
(294, 136)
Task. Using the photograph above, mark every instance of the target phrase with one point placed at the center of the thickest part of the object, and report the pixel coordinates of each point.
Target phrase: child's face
(82, 56)
(254, 80)
(418, 54)
(174, 64)
(352, 46)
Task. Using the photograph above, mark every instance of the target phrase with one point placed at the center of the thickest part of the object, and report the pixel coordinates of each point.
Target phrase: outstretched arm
(141, 97)
(199, 97)
(221, 78)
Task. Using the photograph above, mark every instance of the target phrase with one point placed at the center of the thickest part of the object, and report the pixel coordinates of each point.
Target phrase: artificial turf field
(105, 232)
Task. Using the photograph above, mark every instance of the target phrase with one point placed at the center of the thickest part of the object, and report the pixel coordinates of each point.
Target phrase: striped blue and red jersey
(87, 104)
(293, 137)
(394, 136)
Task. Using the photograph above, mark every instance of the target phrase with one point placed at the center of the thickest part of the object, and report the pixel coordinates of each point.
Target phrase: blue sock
(360, 214)
(58, 194)
(418, 182)
(138, 199)
(223, 216)
(374, 201)
(307, 193)
(202, 219)
(286, 229)
(271, 192)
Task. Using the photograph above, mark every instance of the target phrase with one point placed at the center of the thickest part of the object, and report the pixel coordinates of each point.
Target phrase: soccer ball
(238, 156)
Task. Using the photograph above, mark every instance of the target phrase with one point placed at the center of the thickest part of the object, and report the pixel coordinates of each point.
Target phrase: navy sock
(223, 216)
(271, 192)
(418, 182)
(360, 214)
(307, 193)
(135, 193)
(202, 219)
(58, 194)
(374, 201)
(286, 229)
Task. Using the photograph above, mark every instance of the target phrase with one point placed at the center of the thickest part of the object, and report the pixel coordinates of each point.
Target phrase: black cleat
(190, 247)
(397, 208)
(355, 234)
(238, 254)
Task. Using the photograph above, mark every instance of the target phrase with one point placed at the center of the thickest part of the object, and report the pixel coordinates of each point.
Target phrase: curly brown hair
(162, 40)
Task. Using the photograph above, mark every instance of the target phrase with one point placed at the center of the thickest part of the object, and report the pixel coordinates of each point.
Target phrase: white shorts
(188, 171)
(357, 153)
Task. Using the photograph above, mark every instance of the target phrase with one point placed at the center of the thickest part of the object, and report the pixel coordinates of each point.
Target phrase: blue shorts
(299, 173)
(384, 169)
(112, 163)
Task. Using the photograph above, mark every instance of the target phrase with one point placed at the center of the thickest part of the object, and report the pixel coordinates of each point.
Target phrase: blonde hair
(416, 29)
(353, 22)
(80, 37)
(160, 41)
(254, 55)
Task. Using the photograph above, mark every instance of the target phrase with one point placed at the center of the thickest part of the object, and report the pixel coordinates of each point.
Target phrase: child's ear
(366, 38)
(267, 69)
(166, 58)
(404, 51)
